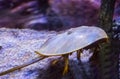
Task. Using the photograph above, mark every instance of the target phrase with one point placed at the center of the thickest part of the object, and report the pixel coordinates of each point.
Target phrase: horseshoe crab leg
(56, 60)
(78, 54)
(66, 64)
(22, 66)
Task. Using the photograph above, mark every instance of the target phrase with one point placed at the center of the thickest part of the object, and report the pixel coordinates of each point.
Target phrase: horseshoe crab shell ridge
(72, 40)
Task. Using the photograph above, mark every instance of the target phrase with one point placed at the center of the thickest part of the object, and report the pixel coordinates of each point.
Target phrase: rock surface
(50, 14)
(17, 47)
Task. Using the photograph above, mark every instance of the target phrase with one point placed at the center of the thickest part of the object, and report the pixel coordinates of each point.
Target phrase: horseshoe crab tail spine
(21, 66)
(38, 53)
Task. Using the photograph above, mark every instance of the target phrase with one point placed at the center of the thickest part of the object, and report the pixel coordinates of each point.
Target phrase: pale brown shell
(72, 40)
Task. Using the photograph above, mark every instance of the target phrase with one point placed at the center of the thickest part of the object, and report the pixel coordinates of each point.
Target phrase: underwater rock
(25, 8)
(117, 8)
(45, 22)
(52, 15)
(36, 22)
(76, 12)
(61, 14)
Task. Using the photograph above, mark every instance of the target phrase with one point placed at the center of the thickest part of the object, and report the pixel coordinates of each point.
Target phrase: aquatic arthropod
(66, 43)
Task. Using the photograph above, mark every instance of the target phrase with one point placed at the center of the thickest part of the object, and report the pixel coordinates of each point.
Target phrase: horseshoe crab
(66, 43)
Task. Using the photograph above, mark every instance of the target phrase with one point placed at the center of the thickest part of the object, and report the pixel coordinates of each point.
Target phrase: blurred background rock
(50, 14)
